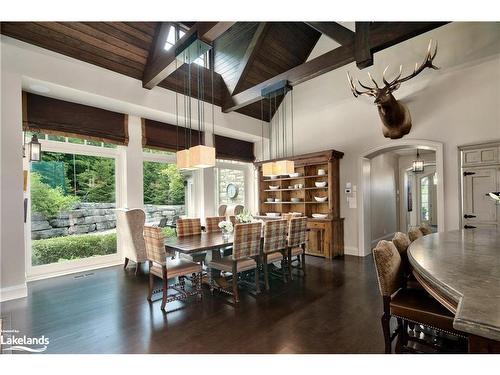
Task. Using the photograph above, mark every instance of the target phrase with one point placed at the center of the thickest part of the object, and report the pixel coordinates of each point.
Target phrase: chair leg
(164, 298)
(210, 280)
(137, 268)
(257, 283)
(283, 271)
(151, 286)
(387, 333)
(126, 263)
(199, 280)
(266, 273)
(289, 263)
(303, 262)
(236, 297)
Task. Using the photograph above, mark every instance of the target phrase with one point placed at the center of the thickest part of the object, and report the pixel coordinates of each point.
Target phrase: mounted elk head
(395, 115)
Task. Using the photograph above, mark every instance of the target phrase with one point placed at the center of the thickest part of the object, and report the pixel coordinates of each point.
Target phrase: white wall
(455, 105)
(383, 196)
(70, 79)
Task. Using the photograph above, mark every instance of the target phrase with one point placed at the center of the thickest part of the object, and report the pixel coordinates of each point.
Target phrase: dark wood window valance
(59, 117)
(234, 149)
(163, 136)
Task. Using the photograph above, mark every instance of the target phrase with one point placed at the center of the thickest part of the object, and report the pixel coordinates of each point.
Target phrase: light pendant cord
(291, 115)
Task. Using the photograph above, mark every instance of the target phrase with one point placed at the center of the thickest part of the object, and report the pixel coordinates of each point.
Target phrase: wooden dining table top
(198, 243)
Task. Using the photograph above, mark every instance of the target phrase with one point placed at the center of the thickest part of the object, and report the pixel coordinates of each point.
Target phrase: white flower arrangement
(226, 226)
(244, 217)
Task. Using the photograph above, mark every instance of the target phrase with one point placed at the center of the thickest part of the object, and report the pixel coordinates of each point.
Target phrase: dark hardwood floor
(335, 309)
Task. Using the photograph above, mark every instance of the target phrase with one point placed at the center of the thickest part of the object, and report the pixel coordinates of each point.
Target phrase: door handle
(469, 227)
(467, 216)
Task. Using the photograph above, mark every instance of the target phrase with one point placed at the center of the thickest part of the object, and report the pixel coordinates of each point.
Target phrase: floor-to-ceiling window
(164, 187)
(71, 201)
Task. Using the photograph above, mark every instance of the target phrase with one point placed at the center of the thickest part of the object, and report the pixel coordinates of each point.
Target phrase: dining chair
(165, 268)
(297, 237)
(233, 220)
(188, 227)
(415, 233)
(425, 229)
(212, 224)
(406, 305)
(245, 257)
(275, 247)
(130, 224)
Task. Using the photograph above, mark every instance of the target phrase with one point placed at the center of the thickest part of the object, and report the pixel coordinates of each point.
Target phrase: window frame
(77, 265)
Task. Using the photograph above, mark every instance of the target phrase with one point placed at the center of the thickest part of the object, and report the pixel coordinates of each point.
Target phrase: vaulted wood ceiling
(247, 55)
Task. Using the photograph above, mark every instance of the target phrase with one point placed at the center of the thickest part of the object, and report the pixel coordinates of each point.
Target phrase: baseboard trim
(351, 250)
(13, 292)
(90, 267)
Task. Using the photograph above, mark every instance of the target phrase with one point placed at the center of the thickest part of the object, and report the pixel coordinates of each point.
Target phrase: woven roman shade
(59, 117)
(234, 149)
(163, 136)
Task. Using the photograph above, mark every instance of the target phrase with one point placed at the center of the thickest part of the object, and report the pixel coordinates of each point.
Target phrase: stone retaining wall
(92, 218)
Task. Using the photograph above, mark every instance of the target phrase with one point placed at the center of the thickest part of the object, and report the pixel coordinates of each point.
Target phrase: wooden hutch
(326, 236)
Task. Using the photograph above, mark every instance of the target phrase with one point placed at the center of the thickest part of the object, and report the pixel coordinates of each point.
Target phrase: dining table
(461, 270)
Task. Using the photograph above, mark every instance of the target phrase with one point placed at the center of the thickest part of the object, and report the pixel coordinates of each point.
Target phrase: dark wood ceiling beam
(362, 46)
(250, 54)
(381, 35)
(322, 64)
(165, 64)
(342, 35)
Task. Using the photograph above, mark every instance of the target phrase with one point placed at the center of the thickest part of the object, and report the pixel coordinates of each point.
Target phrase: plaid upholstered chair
(415, 233)
(188, 227)
(245, 257)
(166, 268)
(406, 305)
(275, 246)
(297, 237)
(212, 224)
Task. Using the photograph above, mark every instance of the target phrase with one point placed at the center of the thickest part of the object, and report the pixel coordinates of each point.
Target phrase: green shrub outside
(47, 200)
(53, 250)
(59, 249)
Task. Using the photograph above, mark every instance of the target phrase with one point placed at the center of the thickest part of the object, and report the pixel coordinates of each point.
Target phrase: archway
(364, 209)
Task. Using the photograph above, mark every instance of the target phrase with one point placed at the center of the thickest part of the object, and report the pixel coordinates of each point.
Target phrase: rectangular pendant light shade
(268, 169)
(283, 167)
(202, 156)
(182, 160)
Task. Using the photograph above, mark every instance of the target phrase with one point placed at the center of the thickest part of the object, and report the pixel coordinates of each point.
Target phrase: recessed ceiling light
(39, 88)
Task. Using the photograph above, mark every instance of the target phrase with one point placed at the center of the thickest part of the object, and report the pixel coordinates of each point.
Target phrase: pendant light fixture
(199, 156)
(279, 131)
(35, 149)
(181, 156)
(418, 164)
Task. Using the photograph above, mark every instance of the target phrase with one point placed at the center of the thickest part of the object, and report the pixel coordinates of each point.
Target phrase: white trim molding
(13, 292)
(364, 183)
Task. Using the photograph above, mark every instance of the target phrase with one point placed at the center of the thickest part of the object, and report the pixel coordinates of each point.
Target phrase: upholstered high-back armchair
(130, 226)
(297, 237)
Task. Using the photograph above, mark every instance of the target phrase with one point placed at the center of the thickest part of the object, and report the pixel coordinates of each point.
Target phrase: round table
(461, 269)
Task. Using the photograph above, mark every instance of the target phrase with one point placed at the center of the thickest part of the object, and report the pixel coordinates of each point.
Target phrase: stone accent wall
(234, 176)
(92, 218)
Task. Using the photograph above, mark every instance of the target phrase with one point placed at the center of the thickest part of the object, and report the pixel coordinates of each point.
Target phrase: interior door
(479, 209)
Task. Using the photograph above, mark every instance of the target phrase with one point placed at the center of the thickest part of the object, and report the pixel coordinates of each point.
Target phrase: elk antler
(370, 91)
(396, 82)
(427, 63)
